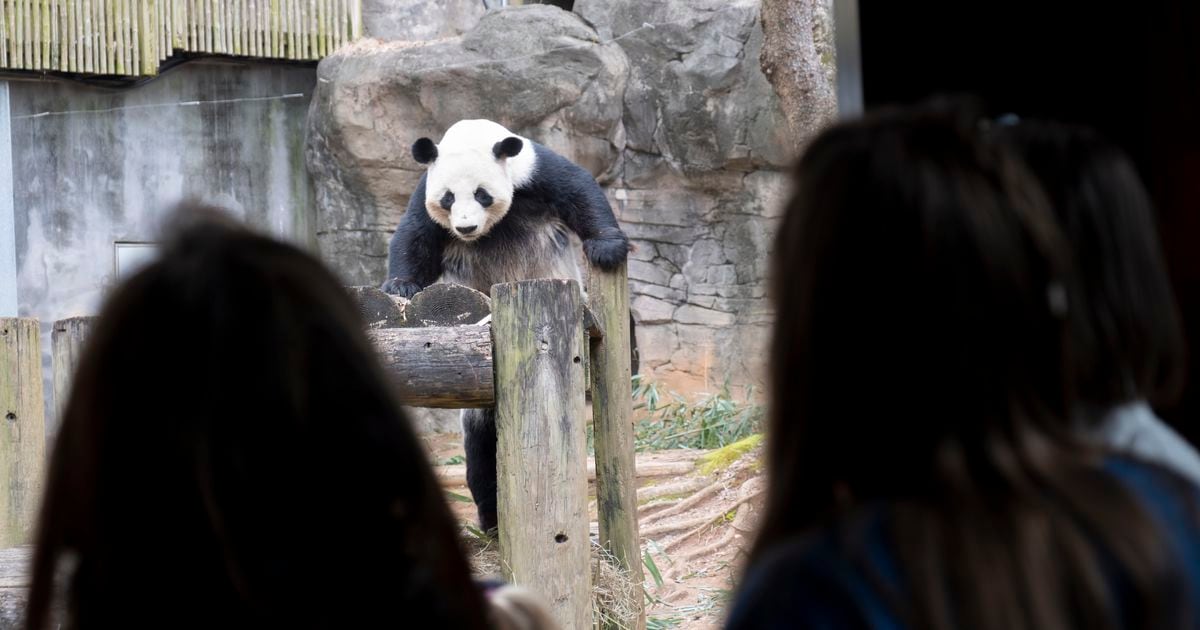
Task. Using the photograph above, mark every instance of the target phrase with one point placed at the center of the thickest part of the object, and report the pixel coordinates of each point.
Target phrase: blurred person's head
(918, 363)
(1126, 337)
(231, 456)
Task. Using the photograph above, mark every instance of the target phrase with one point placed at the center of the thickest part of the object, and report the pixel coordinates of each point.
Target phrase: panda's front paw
(607, 252)
(403, 288)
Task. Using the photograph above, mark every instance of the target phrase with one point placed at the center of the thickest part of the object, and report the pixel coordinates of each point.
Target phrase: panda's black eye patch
(483, 197)
(447, 200)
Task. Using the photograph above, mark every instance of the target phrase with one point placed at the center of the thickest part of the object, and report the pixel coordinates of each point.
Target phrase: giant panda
(494, 207)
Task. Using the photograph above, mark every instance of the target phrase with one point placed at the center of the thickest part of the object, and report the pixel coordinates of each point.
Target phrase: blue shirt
(814, 584)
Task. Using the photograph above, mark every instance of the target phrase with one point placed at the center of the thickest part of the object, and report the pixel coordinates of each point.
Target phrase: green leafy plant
(454, 496)
(668, 420)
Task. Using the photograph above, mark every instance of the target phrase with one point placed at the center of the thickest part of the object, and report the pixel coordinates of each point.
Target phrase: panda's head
(472, 174)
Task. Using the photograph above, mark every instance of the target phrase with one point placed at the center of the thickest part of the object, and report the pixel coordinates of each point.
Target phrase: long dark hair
(231, 456)
(917, 363)
(1127, 340)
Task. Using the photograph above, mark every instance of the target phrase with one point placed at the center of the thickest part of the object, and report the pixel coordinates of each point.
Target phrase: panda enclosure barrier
(531, 363)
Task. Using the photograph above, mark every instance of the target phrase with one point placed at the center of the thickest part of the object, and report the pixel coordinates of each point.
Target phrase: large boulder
(419, 19)
(696, 96)
(703, 181)
(537, 70)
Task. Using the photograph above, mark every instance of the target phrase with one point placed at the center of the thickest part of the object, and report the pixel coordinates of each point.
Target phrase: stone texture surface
(701, 182)
(664, 102)
(419, 19)
(537, 70)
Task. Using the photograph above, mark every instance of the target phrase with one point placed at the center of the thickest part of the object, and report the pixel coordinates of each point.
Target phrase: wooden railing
(133, 37)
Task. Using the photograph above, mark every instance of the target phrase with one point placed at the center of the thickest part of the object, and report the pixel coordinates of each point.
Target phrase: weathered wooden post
(22, 435)
(612, 418)
(66, 345)
(541, 443)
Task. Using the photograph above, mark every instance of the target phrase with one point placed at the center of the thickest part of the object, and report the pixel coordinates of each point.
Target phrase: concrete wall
(95, 166)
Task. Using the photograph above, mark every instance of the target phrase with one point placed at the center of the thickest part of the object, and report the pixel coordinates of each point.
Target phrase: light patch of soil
(695, 529)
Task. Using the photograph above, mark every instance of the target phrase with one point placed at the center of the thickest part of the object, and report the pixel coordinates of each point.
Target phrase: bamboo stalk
(101, 24)
(298, 27)
(72, 36)
(256, 28)
(49, 32)
(145, 52)
(19, 43)
(230, 26)
(4, 20)
(135, 36)
(122, 36)
(324, 20)
(209, 26)
(100, 35)
(313, 46)
(39, 35)
(291, 29)
(159, 30)
(264, 28)
(220, 34)
(31, 33)
(19, 33)
(239, 22)
(339, 21)
(247, 26)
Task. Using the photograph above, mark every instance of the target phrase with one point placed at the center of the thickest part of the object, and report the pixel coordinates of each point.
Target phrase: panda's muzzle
(466, 229)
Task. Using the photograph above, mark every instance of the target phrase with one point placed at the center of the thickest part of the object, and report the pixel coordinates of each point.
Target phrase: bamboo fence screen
(132, 37)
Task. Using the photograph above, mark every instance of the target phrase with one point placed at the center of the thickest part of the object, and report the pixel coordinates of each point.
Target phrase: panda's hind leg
(479, 442)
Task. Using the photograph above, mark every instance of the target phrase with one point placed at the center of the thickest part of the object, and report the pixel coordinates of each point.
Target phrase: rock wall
(663, 102)
(700, 185)
(419, 19)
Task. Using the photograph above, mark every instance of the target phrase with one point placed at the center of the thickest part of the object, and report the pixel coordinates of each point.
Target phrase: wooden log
(447, 305)
(612, 418)
(455, 475)
(22, 432)
(378, 309)
(67, 338)
(541, 447)
(445, 368)
(14, 585)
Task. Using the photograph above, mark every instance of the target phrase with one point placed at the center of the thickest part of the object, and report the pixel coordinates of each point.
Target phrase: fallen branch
(691, 502)
(676, 487)
(693, 525)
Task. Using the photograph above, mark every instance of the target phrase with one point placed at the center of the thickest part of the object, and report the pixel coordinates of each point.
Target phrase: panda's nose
(465, 229)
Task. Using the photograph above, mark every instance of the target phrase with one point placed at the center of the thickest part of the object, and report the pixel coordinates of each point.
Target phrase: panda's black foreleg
(479, 442)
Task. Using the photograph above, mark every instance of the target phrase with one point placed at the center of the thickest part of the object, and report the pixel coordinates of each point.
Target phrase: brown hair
(231, 455)
(1127, 339)
(917, 363)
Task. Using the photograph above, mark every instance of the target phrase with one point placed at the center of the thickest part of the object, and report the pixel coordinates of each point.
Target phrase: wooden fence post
(22, 434)
(541, 445)
(612, 420)
(66, 345)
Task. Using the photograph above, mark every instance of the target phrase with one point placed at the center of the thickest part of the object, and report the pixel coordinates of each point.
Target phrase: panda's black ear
(507, 147)
(424, 151)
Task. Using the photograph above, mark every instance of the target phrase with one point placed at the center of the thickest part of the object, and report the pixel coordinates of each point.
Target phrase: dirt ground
(694, 526)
